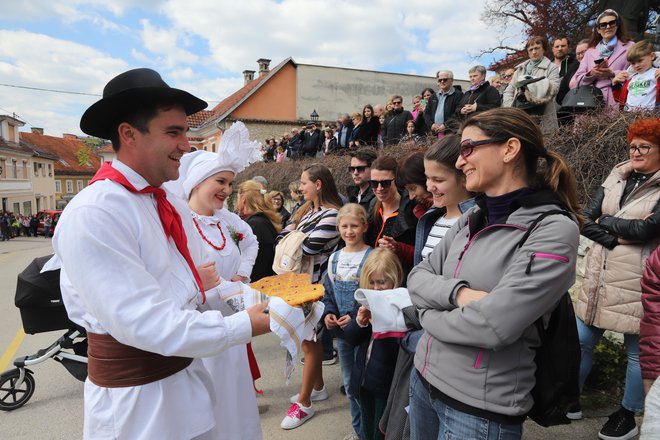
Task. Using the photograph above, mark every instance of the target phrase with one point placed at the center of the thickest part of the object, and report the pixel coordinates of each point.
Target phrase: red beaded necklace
(217, 248)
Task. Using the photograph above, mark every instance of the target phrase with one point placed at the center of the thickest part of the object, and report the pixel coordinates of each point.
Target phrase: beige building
(288, 94)
(27, 183)
(75, 166)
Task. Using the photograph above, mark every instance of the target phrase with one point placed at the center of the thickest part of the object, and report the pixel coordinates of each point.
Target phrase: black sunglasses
(397, 102)
(468, 145)
(607, 24)
(385, 184)
(359, 169)
(443, 80)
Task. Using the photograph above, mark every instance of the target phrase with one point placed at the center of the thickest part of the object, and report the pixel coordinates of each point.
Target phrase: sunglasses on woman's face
(385, 184)
(606, 24)
(468, 145)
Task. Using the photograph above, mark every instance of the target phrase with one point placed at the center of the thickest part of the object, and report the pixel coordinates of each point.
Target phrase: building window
(79, 185)
(25, 169)
(69, 186)
(50, 170)
(36, 168)
(17, 208)
(58, 187)
(27, 208)
(14, 169)
(3, 168)
(213, 147)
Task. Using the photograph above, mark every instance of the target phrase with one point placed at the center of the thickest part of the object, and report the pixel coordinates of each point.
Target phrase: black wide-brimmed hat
(126, 90)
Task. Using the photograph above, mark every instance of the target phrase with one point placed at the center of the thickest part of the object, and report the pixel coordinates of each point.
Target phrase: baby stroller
(39, 300)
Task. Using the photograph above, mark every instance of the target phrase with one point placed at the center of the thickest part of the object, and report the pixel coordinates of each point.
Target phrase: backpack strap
(538, 220)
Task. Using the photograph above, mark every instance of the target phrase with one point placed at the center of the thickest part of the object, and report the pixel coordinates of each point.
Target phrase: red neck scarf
(169, 218)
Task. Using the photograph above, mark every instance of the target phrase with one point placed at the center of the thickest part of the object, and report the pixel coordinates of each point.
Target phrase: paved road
(55, 410)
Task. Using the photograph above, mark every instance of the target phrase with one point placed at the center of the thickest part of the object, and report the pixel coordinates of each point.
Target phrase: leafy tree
(84, 155)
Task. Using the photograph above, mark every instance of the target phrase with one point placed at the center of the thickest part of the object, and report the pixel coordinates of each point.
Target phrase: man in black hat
(129, 274)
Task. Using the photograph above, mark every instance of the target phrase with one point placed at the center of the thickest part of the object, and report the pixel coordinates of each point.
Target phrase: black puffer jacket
(395, 126)
(486, 97)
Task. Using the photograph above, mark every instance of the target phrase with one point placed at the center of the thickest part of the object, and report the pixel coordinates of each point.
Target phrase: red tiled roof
(66, 150)
(21, 147)
(230, 101)
(197, 119)
(106, 149)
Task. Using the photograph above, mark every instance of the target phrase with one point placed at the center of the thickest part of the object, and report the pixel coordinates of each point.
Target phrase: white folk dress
(121, 275)
(236, 411)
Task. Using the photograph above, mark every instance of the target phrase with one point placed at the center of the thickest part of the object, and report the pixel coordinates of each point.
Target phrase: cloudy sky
(203, 46)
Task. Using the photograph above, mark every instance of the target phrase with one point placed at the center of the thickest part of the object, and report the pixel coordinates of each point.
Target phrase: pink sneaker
(296, 416)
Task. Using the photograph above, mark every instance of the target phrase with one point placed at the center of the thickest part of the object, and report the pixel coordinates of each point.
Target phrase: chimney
(263, 66)
(69, 136)
(37, 130)
(248, 75)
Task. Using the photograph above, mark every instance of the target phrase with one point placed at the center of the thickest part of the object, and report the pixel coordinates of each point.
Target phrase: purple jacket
(649, 327)
(617, 63)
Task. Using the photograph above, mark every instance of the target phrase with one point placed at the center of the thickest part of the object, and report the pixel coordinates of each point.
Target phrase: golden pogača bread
(293, 288)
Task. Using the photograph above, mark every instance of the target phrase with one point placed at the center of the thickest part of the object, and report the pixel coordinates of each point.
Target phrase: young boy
(639, 86)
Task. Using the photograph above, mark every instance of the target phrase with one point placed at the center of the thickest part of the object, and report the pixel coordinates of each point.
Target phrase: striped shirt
(322, 239)
(439, 229)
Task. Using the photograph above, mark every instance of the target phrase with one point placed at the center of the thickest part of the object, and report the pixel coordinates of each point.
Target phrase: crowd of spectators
(15, 225)
(626, 73)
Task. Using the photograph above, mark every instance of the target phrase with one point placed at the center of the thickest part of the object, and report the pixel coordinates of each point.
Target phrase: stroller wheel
(11, 396)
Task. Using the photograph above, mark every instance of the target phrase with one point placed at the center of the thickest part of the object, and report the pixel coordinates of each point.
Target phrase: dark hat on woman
(124, 91)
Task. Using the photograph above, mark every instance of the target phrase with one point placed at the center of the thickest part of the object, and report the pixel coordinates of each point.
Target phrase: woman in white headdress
(206, 180)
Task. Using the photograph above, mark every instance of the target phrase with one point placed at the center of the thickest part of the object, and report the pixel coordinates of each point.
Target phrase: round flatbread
(293, 288)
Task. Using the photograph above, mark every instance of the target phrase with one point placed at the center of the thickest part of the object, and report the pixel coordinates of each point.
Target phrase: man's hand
(330, 321)
(240, 278)
(465, 296)
(437, 128)
(344, 321)
(209, 275)
(259, 319)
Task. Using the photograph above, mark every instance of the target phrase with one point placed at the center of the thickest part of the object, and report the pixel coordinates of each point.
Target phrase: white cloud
(36, 60)
(165, 44)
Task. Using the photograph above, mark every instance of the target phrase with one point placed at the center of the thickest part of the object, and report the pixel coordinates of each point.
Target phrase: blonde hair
(269, 196)
(383, 262)
(253, 201)
(352, 210)
(639, 50)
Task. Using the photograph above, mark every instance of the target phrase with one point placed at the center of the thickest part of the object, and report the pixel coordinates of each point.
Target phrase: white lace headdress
(235, 152)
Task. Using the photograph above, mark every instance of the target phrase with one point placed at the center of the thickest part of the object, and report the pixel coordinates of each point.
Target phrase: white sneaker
(296, 416)
(317, 395)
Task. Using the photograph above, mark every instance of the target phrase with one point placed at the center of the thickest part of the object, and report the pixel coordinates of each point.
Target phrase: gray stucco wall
(332, 90)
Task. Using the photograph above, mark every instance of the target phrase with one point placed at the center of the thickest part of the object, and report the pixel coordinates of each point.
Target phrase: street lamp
(314, 116)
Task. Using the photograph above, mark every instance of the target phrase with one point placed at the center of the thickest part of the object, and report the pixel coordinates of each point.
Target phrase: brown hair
(328, 195)
(411, 170)
(639, 50)
(537, 39)
(250, 192)
(621, 31)
(506, 123)
(384, 163)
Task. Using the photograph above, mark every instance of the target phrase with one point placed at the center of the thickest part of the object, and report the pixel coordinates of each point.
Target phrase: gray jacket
(483, 354)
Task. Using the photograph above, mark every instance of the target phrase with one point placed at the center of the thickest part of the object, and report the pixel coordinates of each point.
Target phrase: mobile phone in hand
(599, 61)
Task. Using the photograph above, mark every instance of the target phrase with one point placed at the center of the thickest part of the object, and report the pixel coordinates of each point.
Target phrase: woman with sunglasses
(479, 294)
(606, 56)
(623, 220)
(393, 223)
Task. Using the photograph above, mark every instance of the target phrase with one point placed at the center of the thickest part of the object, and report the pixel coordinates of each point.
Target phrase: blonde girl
(375, 359)
(341, 282)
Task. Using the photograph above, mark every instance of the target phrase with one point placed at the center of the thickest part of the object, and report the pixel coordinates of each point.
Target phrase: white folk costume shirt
(235, 409)
(121, 275)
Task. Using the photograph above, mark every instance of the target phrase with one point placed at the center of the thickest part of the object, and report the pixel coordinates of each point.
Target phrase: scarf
(531, 66)
(606, 49)
(476, 86)
(169, 218)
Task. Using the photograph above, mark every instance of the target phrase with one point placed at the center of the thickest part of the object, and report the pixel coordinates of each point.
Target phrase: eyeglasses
(640, 149)
(397, 102)
(607, 24)
(468, 145)
(443, 80)
(385, 184)
(359, 169)
(507, 76)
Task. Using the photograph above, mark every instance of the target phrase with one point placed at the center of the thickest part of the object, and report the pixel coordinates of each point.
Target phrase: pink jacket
(617, 63)
(649, 330)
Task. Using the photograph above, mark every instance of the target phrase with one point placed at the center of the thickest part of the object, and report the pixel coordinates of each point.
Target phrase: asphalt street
(55, 410)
